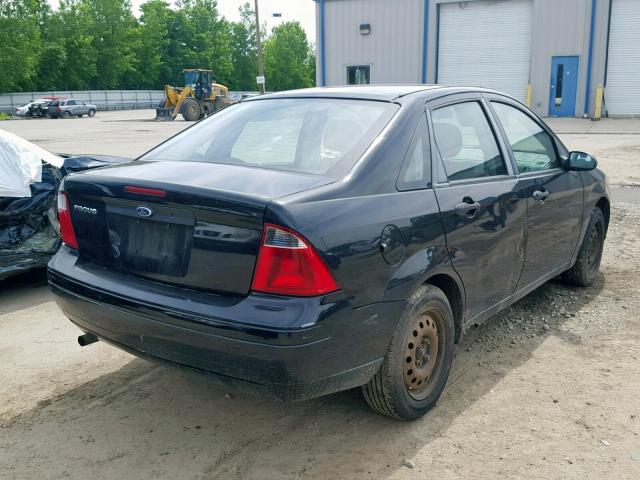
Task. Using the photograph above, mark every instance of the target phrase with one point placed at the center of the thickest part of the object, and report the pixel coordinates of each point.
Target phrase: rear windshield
(310, 135)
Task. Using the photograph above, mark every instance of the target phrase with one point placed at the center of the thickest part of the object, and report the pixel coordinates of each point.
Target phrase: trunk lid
(202, 229)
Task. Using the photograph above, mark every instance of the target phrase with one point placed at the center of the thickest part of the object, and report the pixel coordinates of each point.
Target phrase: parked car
(29, 180)
(36, 108)
(306, 242)
(71, 107)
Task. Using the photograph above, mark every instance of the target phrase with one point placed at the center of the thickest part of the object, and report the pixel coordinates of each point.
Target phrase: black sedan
(307, 242)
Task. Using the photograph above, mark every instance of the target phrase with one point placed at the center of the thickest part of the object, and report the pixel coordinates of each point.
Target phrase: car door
(483, 217)
(554, 195)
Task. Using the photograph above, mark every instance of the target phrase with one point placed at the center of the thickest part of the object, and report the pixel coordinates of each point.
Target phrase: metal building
(562, 57)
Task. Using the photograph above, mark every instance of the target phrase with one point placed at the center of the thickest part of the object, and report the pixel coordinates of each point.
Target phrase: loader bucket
(164, 114)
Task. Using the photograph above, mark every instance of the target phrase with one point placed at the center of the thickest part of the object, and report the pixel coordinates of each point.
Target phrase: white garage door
(486, 44)
(622, 93)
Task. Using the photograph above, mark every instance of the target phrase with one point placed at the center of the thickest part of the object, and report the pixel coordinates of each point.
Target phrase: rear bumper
(287, 348)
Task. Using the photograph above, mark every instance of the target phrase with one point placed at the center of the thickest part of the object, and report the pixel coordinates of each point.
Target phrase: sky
(300, 10)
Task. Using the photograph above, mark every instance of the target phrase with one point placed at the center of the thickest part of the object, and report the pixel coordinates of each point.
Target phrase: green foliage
(287, 58)
(5, 116)
(100, 44)
(19, 43)
(243, 51)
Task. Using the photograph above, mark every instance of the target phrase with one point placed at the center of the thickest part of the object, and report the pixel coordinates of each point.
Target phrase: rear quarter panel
(347, 232)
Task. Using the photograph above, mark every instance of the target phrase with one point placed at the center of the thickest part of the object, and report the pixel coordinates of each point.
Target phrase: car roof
(388, 93)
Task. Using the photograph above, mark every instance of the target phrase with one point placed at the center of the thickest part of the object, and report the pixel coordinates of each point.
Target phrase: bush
(4, 116)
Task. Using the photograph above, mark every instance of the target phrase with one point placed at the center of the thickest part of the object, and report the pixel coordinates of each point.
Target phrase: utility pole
(260, 78)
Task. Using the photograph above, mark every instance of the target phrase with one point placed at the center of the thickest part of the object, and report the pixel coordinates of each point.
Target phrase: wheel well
(603, 204)
(451, 289)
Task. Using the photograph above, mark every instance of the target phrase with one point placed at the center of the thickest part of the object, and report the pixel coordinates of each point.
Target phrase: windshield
(309, 135)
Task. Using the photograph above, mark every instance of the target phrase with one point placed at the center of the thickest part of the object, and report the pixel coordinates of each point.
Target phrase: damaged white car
(29, 180)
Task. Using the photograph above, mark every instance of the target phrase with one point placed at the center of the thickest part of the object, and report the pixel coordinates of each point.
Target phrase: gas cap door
(391, 245)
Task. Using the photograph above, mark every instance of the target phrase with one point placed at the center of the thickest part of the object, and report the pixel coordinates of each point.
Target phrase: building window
(358, 74)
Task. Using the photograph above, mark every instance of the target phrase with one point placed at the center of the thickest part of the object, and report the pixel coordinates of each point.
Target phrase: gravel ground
(548, 389)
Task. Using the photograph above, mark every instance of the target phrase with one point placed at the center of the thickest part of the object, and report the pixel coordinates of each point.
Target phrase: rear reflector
(288, 265)
(154, 192)
(64, 219)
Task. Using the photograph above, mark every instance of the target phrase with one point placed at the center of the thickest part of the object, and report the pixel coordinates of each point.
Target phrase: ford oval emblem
(144, 211)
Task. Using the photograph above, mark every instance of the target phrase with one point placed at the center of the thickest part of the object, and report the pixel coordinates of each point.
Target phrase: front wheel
(587, 264)
(92, 113)
(190, 110)
(416, 365)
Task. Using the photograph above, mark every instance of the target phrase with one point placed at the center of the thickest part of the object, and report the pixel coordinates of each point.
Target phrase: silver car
(70, 107)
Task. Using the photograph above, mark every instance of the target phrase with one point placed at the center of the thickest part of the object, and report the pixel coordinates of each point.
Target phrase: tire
(190, 110)
(391, 391)
(92, 113)
(66, 115)
(587, 265)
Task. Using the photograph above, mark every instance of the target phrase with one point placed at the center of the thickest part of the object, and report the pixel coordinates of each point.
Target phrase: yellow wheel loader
(198, 98)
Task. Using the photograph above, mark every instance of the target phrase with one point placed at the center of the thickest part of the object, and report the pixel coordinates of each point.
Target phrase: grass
(4, 116)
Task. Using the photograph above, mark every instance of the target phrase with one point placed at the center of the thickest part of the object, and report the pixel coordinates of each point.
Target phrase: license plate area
(149, 239)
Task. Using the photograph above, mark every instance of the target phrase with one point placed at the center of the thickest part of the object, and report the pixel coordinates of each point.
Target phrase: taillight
(58, 109)
(64, 219)
(288, 265)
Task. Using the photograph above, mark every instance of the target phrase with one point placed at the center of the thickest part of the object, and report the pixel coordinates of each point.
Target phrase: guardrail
(103, 99)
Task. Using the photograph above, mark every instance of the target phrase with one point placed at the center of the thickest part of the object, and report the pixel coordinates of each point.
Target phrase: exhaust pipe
(87, 339)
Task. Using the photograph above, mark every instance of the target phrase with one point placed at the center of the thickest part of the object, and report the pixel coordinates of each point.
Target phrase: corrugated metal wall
(394, 49)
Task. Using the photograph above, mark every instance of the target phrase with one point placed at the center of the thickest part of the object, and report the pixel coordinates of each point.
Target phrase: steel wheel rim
(421, 354)
(593, 248)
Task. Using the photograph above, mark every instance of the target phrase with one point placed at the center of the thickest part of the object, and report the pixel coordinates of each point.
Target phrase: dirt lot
(548, 389)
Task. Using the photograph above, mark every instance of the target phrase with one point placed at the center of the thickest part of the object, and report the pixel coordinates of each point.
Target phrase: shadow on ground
(14, 291)
(151, 421)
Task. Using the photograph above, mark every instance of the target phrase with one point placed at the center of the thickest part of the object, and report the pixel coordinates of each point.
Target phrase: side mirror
(581, 161)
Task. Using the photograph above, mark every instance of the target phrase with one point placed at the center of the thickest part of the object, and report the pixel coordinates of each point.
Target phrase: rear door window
(466, 142)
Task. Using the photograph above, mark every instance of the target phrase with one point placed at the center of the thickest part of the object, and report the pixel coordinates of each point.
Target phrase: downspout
(590, 57)
(323, 78)
(425, 40)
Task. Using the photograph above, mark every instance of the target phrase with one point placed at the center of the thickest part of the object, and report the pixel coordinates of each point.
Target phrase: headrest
(448, 138)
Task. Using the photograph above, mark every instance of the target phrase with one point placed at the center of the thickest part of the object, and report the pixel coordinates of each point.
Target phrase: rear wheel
(66, 114)
(417, 362)
(92, 113)
(190, 110)
(587, 264)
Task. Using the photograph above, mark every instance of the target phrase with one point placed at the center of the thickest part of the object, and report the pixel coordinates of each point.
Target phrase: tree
(19, 43)
(114, 41)
(243, 51)
(152, 51)
(208, 38)
(287, 58)
(68, 57)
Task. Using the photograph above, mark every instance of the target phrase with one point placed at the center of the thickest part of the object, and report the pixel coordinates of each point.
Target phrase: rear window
(309, 135)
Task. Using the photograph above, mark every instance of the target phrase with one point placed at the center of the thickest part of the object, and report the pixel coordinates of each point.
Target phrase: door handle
(540, 196)
(468, 209)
